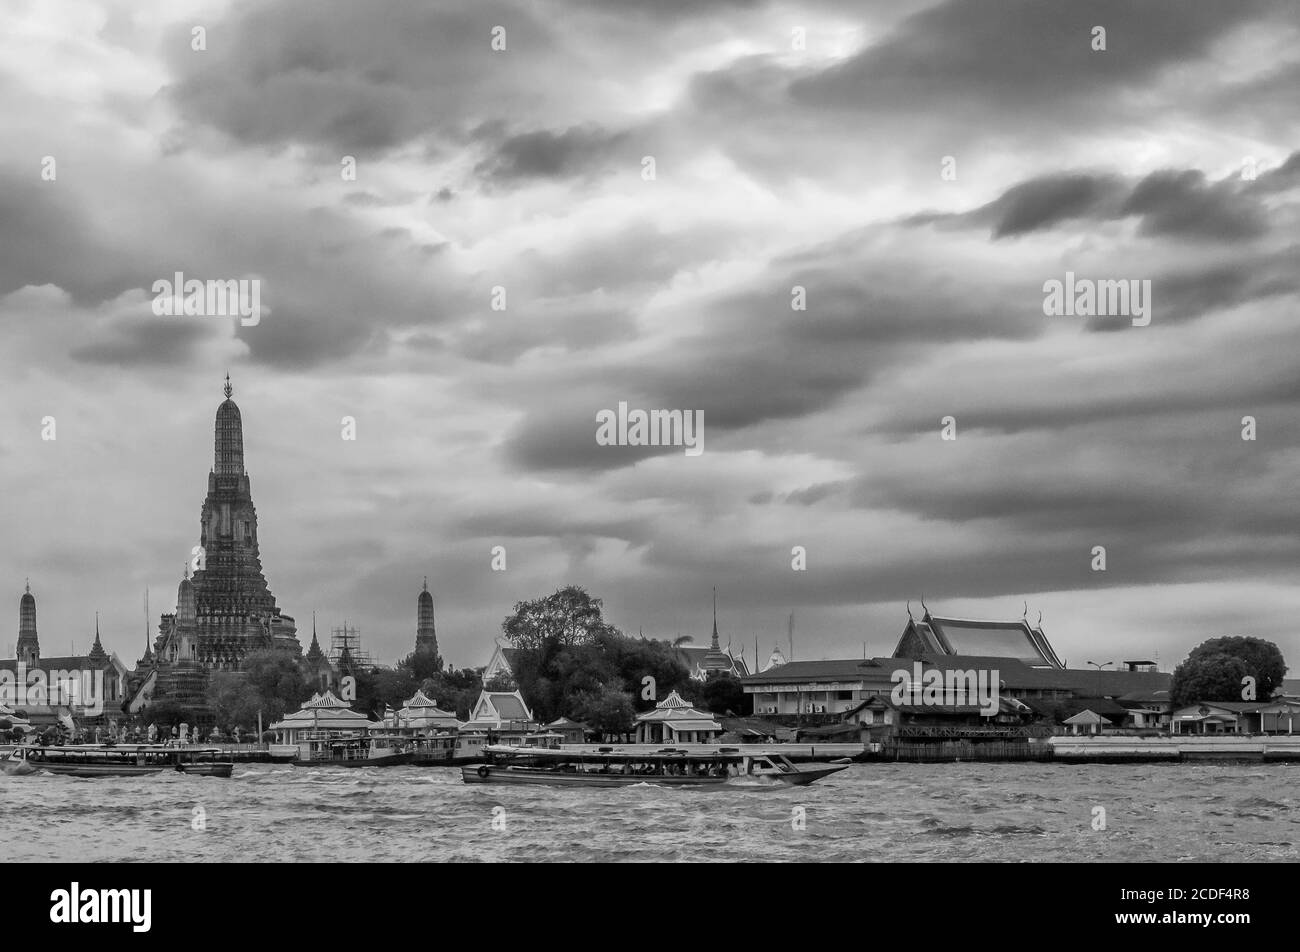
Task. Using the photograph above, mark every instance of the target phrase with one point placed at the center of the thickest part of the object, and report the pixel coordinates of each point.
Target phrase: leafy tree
(234, 699)
(1260, 659)
(567, 618)
(1207, 677)
(168, 712)
(607, 710)
(277, 681)
(454, 690)
(722, 693)
(639, 658)
(423, 662)
(393, 687)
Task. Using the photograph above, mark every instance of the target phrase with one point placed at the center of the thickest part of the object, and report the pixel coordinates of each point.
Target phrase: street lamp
(1104, 664)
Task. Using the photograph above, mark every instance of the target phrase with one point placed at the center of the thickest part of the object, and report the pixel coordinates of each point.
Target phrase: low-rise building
(323, 714)
(675, 721)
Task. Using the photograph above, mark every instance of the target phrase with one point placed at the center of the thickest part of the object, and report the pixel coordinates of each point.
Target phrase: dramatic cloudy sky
(1171, 156)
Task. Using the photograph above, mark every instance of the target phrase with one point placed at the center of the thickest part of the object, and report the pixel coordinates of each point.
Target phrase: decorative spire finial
(426, 583)
(229, 388)
(1025, 613)
(715, 618)
(96, 626)
(29, 586)
(909, 610)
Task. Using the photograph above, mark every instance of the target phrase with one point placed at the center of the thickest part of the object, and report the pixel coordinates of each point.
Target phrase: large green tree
(277, 681)
(724, 694)
(234, 701)
(393, 687)
(1215, 668)
(570, 662)
(423, 662)
(455, 691)
(568, 618)
(607, 710)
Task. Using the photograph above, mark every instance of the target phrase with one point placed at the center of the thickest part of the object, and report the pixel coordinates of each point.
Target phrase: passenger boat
(372, 751)
(125, 760)
(471, 746)
(668, 767)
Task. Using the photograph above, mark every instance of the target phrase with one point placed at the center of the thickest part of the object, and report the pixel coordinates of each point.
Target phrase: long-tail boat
(110, 760)
(669, 767)
(372, 751)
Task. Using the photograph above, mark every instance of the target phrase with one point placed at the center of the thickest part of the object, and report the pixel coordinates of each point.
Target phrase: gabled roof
(497, 706)
(968, 636)
(1086, 716)
(419, 699)
(322, 701)
(563, 723)
(677, 711)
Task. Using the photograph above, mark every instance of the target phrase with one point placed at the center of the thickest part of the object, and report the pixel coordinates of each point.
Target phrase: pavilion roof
(326, 700)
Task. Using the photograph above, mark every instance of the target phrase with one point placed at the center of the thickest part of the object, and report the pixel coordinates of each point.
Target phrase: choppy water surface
(999, 812)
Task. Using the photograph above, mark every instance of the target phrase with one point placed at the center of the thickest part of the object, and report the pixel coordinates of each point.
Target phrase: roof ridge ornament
(228, 388)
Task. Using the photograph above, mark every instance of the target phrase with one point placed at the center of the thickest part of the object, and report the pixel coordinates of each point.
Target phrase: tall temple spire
(29, 647)
(229, 455)
(426, 634)
(716, 660)
(97, 652)
(314, 653)
(715, 618)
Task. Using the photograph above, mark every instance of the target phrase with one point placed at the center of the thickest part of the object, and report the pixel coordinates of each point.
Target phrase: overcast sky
(1170, 156)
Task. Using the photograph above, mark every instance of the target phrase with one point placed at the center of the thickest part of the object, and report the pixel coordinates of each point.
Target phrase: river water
(870, 812)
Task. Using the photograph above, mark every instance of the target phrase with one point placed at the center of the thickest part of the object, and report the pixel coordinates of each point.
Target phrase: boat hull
(806, 775)
(207, 770)
(99, 770)
(495, 773)
(388, 760)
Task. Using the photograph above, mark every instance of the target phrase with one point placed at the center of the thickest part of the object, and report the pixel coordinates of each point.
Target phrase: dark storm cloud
(562, 436)
(673, 8)
(753, 359)
(1180, 203)
(48, 238)
(333, 74)
(1012, 55)
(1184, 205)
(548, 154)
(1185, 294)
(161, 341)
(539, 521)
(298, 339)
(1049, 200)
